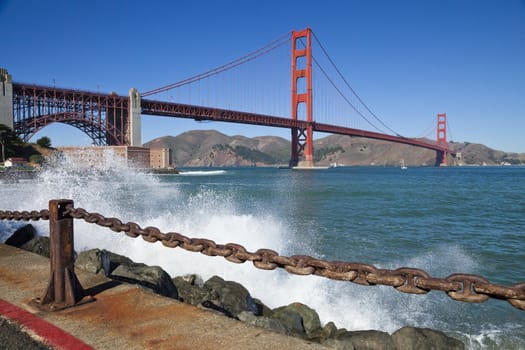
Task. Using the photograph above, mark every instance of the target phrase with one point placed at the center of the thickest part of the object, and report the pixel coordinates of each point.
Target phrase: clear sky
(409, 60)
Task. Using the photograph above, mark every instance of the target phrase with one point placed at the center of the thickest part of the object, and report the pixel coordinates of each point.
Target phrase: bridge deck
(105, 116)
(178, 110)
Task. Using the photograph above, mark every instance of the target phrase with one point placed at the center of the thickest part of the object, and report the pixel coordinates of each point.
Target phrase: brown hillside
(212, 148)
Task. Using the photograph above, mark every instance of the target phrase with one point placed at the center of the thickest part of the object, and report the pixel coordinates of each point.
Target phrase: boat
(403, 166)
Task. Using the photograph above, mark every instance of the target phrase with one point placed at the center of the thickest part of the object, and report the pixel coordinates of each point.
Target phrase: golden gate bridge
(112, 119)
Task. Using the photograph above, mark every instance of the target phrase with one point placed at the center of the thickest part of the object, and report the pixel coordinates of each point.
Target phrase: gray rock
(190, 289)
(110, 261)
(299, 319)
(262, 309)
(193, 279)
(90, 260)
(340, 331)
(291, 320)
(38, 245)
(262, 321)
(216, 307)
(21, 236)
(328, 331)
(411, 338)
(311, 322)
(367, 340)
(100, 261)
(231, 295)
(152, 277)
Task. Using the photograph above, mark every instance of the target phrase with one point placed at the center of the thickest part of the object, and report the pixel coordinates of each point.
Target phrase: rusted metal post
(64, 289)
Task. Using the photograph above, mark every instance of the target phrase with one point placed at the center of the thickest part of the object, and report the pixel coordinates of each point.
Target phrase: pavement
(122, 316)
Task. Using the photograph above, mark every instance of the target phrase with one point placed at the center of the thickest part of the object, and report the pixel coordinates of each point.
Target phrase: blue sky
(409, 60)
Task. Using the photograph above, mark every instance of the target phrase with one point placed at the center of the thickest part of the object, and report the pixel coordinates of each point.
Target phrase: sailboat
(403, 166)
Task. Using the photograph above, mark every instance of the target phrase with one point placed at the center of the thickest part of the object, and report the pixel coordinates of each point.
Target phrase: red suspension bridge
(111, 119)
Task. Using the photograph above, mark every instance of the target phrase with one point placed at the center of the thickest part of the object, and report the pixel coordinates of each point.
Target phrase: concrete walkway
(130, 317)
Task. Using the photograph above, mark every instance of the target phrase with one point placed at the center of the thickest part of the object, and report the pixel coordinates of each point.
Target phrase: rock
(38, 245)
(152, 277)
(311, 322)
(215, 307)
(366, 340)
(231, 295)
(411, 338)
(328, 331)
(299, 319)
(262, 309)
(100, 261)
(90, 260)
(262, 321)
(190, 289)
(290, 319)
(340, 331)
(193, 279)
(110, 261)
(21, 236)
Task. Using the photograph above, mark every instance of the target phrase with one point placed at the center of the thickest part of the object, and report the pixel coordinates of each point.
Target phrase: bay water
(441, 220)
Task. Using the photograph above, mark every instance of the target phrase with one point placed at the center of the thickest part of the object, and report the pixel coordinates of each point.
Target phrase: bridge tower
(134, 137)
(6, 98)
(441, 158)
(302, 138)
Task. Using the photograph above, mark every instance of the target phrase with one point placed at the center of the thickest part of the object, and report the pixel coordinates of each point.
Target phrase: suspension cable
(449, 131)
(351, 89)
(283, 39)
(340, 92)
(429, 130)
(344, 97)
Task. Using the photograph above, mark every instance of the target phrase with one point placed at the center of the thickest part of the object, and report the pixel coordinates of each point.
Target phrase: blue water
(441, 220)
(378, 215)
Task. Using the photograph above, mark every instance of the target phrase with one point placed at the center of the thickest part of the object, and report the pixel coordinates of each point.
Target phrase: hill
(213, 149)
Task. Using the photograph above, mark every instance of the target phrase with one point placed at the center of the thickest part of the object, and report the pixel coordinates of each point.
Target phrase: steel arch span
(103, 117)
(27, 129)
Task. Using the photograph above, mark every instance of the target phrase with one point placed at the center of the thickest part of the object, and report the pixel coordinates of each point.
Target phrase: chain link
(467, 291)
(24, 215)
(461, 287)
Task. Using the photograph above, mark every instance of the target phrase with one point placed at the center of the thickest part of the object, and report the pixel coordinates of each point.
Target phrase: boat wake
(202, 173)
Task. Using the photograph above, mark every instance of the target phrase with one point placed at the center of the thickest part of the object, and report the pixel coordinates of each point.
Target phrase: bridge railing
(64, 289)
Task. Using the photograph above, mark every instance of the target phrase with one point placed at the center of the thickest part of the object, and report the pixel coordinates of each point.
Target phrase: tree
(44, 142)
(10, 142)
(13, 146)
(36, 158)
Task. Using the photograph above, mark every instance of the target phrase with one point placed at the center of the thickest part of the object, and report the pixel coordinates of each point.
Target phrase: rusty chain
(460, 287)
(24, 215)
